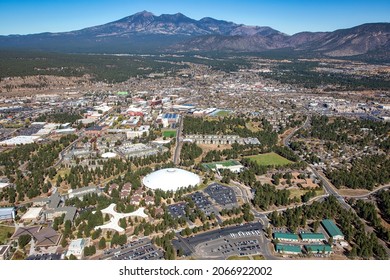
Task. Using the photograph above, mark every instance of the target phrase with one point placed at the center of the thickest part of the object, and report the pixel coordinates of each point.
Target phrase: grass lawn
(169, 133)
(269, 159)
(238, 258)
(298, 193)
(5, 231)
(258, 257)
(222, 113)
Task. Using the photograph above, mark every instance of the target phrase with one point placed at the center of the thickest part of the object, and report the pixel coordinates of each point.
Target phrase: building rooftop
(7, 213)
(318, 248)
(331, 228)
(287, 248)
(32, 213)
(282, 235)
(312, 236)
(170, 179)
(3, 249)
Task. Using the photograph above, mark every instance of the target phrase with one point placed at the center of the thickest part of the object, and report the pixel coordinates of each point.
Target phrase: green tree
(23, 240)
(102, 243)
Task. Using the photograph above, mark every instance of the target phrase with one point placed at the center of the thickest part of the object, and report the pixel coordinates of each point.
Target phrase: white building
(233, 168)
(76, 247)
(32, 213)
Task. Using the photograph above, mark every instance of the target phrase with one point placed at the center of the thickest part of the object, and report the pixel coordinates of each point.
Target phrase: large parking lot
(141, 249)
(222, 195)
(246, 239)
(235, 244)
(203, 203)
(177, 210)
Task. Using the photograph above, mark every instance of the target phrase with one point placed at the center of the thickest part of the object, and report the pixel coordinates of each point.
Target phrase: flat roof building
(32, 213)
(76, 247)
(7, 213)
(332, 229)
(319, 249)
(291, 237)
(288, 249)
(312, 237)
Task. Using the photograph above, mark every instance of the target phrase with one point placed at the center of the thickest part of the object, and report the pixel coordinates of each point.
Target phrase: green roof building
(286, 236)
(319, 249)
(122, 93)
(312, 237)
(288, 249)
(332, 229)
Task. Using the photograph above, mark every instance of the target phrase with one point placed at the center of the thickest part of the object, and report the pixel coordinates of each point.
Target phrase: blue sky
(288, 16)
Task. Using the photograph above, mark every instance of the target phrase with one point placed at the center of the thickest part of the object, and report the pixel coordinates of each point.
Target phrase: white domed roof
(109, 155)
(170, 179)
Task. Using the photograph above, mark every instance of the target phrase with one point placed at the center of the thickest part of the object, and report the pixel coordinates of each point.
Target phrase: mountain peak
(144, 30)
(144, 13)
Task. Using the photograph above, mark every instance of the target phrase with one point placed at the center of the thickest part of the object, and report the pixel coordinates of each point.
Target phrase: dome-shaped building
(170, 179)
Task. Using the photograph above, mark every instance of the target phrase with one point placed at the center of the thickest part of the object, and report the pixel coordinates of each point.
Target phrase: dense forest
(304, 74)
(384, 204)
(27, 167)
(364, 173)
(189, 152)
(350, 131)
(109, 68)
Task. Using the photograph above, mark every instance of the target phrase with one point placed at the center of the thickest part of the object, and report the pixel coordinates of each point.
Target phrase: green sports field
(169, 133)
(270, 159)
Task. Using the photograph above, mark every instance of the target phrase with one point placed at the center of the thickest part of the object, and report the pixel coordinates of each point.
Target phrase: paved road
(329, 188)
(384, 187)
(306, 124)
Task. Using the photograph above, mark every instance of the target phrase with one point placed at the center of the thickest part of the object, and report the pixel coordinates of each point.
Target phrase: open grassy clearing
(5, 232)
(270, 159)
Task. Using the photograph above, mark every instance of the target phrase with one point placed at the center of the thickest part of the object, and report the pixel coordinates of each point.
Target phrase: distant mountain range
(145, 32)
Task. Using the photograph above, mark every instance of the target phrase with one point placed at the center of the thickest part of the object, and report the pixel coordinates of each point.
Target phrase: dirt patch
(352, 192)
